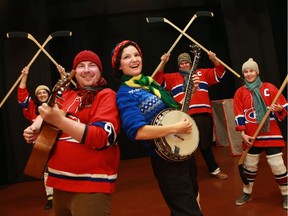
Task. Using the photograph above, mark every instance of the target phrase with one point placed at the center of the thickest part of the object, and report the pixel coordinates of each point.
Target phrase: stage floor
(137, 193)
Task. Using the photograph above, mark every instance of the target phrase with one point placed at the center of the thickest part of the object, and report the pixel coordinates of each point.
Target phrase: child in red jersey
(251, 102)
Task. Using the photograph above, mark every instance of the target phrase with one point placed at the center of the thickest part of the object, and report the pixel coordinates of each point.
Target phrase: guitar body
(175, 147)
(42, 148)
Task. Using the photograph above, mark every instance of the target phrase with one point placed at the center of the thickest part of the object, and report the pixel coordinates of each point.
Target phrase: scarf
(259, 104)
(88, 94)
(149, 84)
(185, 75)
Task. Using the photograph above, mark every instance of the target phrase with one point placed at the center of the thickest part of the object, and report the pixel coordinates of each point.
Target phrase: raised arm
(25, 72)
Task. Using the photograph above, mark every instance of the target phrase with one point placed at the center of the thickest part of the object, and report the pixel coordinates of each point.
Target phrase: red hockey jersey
(245, 115)
(200, 101)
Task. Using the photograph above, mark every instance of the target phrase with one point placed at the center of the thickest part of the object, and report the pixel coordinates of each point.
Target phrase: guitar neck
(190, 85)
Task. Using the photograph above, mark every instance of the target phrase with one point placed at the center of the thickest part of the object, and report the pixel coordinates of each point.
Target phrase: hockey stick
(54, 34)
(198, 14)
(29, 64)
(161, 19)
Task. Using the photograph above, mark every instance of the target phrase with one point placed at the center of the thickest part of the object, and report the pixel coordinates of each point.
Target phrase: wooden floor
(137, 193)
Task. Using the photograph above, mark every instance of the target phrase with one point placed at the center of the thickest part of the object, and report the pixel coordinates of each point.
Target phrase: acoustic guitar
(47, 136)
(179, 147)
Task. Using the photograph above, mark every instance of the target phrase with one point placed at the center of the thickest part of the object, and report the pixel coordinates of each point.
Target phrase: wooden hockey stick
(155, 19)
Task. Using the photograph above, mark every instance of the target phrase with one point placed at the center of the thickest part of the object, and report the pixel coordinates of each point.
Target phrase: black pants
(178, 185)
(268, 150)
(204, 123)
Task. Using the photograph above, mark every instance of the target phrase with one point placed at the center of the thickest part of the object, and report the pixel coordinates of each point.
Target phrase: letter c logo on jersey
(266, 92)
(250, 115)
(199, 73)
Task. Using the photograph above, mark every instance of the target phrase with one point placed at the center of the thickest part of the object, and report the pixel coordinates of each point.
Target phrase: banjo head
(176, 147)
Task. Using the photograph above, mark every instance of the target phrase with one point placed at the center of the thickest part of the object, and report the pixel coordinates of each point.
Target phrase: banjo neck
(190, 85)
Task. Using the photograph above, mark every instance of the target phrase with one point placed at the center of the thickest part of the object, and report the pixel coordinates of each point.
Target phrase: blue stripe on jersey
(90, 178)
(108, 127)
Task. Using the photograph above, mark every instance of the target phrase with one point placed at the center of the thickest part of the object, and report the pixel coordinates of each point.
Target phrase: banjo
(178, 147)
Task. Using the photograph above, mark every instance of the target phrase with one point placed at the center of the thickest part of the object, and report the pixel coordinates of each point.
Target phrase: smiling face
(87, 73)
(131, 61)
(250, 75)
(42, 95)
(185, 65)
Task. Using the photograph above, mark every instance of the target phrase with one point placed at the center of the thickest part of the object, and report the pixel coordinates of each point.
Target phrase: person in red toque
(83, 166)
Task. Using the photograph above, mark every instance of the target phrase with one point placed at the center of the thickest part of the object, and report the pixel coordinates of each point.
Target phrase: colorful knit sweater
(137, 108)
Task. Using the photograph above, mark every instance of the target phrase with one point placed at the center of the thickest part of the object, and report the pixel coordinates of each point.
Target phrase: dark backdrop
(238, 30)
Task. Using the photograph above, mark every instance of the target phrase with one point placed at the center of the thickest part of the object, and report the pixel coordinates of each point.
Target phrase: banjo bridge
(179, 137)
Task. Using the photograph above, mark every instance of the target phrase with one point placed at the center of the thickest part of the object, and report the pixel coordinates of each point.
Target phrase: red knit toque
(117, 51)
(87, 55)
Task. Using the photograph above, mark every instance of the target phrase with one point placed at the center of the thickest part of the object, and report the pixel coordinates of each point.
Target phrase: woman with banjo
(140, 99)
